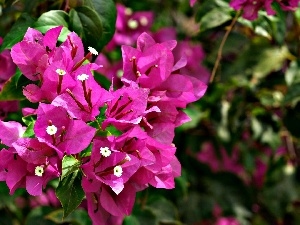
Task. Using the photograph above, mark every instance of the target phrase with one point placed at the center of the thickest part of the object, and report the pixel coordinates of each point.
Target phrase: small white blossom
(144, 21)
(51, 130)
(105, 151)
(39, 170)
(118, 171)
(133, 24)
(128, 11)
(120, 73)
(60, 72)
(93, 51)
(82, 77)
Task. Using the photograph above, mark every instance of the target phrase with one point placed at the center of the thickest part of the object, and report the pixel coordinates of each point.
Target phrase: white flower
(39, 170)
(82, 77)
(60, 72)
(93, 51)
(144, 21)
(120, 73)
(128, 11)
(105, 151)
(133, 24)
(118, 171)
(51, 130)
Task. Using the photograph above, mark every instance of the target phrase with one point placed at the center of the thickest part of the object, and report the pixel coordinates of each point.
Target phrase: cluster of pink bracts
(145, 110)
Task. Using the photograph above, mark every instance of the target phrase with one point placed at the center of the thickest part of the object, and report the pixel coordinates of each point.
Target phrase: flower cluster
(129, 26)
(251, 7)
(75, 117)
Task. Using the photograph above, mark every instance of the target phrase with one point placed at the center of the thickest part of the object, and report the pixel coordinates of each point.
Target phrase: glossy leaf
(107, 11)
(87, 24)
(70, 193)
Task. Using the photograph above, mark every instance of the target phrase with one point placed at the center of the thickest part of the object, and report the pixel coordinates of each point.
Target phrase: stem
(219, 56)
(67, 7)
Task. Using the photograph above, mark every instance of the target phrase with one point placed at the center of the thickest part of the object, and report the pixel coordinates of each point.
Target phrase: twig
(213, 73)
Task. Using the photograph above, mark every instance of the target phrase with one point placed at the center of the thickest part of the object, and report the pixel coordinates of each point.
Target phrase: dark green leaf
(78, 216)
(70, 193)
(37, 216)
(87, 24)
(293, 94)
(17, 31)
(12, 89)
(102, 80)
(164, 210)
(214, 18)
(106, 9)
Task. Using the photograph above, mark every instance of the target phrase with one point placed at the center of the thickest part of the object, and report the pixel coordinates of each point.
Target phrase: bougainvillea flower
(112, 169)
(47, 198)
(181, 90)
(83, 101)
(192, 2)
(194, 55)
(227, 162)
(31, 54)
(227, 221)
(105, 207)
(55, 127)
(127, 107)
(149, 67)
(10, 132)
(7, 107)
(7, 66)
(129, 26)
(20, 173)
(250, 8)
(289, 4)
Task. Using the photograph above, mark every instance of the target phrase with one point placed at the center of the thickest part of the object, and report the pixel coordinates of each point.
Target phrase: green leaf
(102, 80)
(214, 18)
(107, 11)
(12, 89)
(270, 60)
(28, 119)
(37, 216)
(293, 94)
(164, 210)
(51, 19)
(17, 31)
(70, 193)
(69, 165)
(87, 24)
(131, 220)
(29, 132)
(78, 216)
(292, 74)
